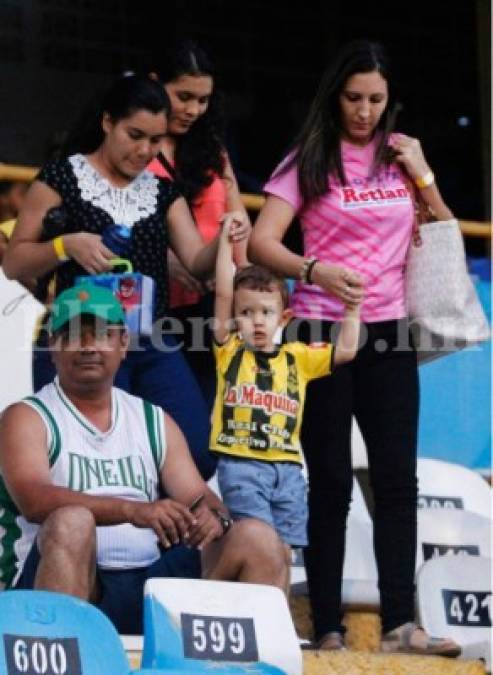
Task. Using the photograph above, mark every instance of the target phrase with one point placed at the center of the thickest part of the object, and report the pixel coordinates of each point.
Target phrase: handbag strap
(422, 212)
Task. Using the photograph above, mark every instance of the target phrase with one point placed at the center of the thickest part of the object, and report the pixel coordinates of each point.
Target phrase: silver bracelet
(306, 269)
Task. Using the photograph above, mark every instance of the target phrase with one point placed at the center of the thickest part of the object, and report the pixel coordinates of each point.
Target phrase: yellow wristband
(59, 247)
(425, 181)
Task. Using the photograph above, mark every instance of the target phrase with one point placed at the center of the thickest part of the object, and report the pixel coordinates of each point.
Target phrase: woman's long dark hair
(125, 96)
(317, 149)
(199, 152)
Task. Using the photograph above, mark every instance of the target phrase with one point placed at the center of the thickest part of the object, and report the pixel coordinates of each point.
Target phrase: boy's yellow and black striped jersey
(260, 398)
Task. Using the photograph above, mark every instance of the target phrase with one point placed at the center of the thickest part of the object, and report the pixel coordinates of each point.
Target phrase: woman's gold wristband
(59, 248)
(425, 181)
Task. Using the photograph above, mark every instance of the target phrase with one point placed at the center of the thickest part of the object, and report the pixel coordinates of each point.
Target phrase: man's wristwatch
(224, 519)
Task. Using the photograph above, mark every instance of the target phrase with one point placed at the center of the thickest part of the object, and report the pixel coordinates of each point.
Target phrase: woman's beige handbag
(444, 310)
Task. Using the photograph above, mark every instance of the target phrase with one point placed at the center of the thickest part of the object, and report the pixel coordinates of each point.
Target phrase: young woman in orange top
(193, 154)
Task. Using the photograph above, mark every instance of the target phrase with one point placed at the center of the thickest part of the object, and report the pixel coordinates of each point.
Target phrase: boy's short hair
(257, 278)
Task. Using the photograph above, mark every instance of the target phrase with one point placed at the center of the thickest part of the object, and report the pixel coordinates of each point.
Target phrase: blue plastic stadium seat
(480, 267)
(52, 633)
(455, 403)
(190, 668)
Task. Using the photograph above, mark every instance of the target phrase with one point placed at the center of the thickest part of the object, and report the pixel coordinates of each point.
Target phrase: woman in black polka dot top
(105, 182)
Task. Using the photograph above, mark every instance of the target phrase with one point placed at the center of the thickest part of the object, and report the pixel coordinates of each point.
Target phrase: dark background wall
(55, 53)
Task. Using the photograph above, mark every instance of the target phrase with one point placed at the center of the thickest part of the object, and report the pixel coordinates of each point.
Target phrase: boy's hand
(353, 309)
(225, 270)
(225, 236)
(348, 339)
(238, 225)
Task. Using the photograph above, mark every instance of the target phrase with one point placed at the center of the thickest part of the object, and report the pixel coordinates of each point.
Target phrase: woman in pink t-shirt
(193, 154)
(345, 181)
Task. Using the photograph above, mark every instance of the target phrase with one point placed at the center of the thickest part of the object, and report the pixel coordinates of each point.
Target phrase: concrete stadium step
(358, 662)
(363, 628)
(362, 657)
(363, 663)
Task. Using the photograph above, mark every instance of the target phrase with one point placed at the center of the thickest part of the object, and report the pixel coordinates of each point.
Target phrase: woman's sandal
(332, 641)
(400, 640)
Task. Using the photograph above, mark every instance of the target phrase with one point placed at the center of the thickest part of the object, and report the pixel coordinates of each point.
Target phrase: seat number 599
(218, 638)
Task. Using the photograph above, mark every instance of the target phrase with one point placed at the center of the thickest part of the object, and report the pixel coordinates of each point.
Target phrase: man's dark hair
(257, 278)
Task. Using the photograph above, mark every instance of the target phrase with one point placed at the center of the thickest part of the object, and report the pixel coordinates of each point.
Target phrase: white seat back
(298, 572)
(454, 600)
(359, 584)
(19, 312)
(358, 507)
(451, 532)
(446, 485)
(360, 578)
(217, 622)
(214, 485)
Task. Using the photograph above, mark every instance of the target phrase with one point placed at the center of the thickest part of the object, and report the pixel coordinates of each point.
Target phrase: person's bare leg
(67, 546)
(251, 552)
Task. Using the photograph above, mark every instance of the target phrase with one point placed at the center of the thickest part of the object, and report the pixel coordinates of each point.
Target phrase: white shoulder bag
(445, 314)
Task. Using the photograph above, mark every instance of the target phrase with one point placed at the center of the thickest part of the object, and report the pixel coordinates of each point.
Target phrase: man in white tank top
(83, 468)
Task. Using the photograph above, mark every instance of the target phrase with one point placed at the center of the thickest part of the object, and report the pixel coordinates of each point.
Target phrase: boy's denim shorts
(274, 492)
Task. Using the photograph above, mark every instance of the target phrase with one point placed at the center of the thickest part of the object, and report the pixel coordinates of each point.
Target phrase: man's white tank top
(123, 462)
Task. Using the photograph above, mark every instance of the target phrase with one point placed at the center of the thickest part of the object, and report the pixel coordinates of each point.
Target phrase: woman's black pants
(380, 388)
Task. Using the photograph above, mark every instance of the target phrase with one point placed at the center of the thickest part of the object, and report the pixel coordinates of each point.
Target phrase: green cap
(85, 299)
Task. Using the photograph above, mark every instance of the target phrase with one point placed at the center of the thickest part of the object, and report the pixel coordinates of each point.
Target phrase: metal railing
(470, 228)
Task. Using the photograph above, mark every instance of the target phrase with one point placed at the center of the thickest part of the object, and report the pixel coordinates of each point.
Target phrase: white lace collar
(127, 205)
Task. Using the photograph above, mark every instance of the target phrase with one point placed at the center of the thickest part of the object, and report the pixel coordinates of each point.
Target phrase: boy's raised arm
(223, 306)
(347, 341)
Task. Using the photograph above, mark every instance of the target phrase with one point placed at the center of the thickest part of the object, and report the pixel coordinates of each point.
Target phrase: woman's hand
(340, 282)
(409, 153)
(89, 251)
(239, 226)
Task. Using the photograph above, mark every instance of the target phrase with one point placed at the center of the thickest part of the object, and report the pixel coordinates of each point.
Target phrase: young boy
(260, 395)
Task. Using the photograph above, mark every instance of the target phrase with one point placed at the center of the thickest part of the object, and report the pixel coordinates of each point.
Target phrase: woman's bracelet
(59, 248)
(425, 181)
(306, 270)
